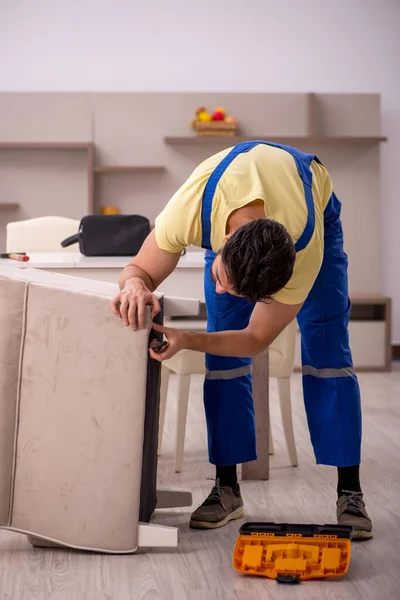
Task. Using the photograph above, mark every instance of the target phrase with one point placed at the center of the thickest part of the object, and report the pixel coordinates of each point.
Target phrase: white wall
(227, 45)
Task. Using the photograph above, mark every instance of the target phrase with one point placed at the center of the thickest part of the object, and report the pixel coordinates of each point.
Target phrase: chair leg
(287, 423)
(271, 441)
(163, 404)
(183, 398)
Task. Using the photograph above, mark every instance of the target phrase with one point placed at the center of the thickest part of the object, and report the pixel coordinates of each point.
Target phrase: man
(270, 222)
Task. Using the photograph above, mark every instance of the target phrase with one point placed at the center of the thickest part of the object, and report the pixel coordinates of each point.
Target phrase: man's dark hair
(259, 259)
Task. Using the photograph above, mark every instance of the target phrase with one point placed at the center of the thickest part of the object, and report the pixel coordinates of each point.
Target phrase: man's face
(220, 278)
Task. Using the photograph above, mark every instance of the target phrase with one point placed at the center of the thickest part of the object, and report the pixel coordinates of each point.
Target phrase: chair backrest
(42, 234)
(282, 351)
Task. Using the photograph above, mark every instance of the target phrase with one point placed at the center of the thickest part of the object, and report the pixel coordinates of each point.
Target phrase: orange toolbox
(292, 553)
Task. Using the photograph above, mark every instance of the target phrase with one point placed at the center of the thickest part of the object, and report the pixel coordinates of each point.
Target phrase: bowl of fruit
(214, 124)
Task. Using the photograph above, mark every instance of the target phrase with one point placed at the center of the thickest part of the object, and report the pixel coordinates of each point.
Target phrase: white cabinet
(367, 343)
(369, 332)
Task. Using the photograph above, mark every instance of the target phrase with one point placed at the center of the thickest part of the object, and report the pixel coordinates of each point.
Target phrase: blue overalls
(330, 386)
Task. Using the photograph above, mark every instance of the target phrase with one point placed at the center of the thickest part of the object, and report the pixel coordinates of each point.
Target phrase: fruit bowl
(216, 124)
(215, 129)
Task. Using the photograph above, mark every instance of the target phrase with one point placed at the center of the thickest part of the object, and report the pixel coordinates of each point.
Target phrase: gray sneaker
(222, 505)
(351, 511)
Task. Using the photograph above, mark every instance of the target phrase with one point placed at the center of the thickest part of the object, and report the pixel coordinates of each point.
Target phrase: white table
(186, 282)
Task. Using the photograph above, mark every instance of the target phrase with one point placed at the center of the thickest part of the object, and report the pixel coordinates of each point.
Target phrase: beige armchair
(78, 433)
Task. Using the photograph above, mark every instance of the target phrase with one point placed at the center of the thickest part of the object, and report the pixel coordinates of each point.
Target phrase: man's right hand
(130, 303)
(146, 271)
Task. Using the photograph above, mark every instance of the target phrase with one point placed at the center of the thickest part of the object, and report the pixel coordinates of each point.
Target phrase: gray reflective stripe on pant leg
(229, 373)
(328, 373)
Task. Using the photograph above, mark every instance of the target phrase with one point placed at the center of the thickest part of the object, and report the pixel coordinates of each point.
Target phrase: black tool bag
(110, 235)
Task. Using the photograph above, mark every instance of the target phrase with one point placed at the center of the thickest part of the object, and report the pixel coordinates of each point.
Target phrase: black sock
(348, 479)
(227, 476)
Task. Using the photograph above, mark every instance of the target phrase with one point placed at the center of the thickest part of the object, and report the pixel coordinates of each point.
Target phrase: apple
(218, 116)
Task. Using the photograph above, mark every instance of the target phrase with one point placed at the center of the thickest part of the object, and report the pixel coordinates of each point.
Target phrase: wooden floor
(201, 568)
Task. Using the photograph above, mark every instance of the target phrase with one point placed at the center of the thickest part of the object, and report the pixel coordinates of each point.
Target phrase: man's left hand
(174, 338)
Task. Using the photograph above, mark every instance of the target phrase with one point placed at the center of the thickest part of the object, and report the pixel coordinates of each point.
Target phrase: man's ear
(226, 238)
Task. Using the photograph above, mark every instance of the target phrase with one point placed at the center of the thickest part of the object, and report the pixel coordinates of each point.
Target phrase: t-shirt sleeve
(179, 224)
(306, 268)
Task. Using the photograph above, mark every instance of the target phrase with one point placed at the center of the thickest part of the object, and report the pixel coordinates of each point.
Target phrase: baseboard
(396, 351)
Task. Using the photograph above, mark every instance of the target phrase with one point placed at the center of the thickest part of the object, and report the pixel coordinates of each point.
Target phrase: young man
(270, 222)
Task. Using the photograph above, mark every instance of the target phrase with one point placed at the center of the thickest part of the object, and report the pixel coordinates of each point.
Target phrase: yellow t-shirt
(264, 173)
